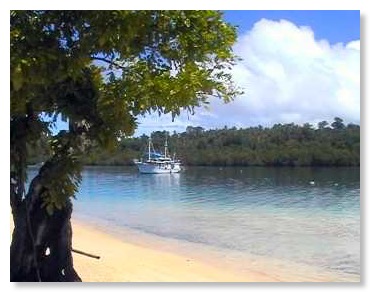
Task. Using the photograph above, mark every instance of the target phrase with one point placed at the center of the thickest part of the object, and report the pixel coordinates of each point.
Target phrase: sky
(298, 67)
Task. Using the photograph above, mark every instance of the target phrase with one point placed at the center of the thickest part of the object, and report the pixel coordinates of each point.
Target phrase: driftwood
(85, 253)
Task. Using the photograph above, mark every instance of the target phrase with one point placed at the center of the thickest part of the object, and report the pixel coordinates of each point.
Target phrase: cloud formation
(287, 76)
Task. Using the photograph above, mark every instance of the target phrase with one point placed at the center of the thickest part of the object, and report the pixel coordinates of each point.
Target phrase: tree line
(334, 144)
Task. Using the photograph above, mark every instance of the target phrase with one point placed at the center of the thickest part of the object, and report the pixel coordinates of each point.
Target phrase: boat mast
(150, 142)
(165, 148)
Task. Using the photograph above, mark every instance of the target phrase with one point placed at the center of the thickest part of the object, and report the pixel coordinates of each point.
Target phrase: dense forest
(334, 144)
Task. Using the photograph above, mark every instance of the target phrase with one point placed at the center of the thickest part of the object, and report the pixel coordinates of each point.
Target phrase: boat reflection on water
(166, 181)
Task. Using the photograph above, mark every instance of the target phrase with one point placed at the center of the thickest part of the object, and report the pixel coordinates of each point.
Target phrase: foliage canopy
(99, 70)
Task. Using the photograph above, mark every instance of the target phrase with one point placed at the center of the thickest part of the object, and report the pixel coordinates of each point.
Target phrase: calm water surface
(303, 215)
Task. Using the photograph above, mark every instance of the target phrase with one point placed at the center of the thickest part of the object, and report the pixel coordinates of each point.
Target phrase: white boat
(154, 162)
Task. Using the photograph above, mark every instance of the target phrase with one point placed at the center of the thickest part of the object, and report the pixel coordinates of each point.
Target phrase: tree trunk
(42, 244)
(41, 248)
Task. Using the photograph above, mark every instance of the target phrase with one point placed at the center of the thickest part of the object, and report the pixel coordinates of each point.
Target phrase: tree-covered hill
(334, 144)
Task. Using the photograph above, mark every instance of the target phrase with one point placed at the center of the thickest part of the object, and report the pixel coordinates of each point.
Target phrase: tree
(337, 124)
(322, 125)
(98, 70)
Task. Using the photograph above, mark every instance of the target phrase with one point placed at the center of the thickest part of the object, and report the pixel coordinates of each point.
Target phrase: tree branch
(109, 62)
(86, 253)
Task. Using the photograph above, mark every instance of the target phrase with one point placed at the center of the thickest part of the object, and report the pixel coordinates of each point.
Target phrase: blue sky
(298, 66)
(334, 25)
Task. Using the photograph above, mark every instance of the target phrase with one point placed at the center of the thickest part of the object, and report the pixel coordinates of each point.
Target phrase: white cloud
(287, 76)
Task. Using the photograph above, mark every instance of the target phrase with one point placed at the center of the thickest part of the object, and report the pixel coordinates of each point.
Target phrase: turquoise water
(302, 215)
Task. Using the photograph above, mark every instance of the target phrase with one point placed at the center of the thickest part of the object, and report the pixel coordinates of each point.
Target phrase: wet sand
(131, 257)
(127, 256)
(125, 262)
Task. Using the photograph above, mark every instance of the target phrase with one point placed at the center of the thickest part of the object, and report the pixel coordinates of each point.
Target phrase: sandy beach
(125, 262)
(121, 261)
(145, 258)
(127, 257)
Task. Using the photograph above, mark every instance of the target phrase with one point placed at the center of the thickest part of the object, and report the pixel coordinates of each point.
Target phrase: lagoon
(294, 217)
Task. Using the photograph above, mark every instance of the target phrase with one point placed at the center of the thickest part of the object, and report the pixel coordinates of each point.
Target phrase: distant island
(334, 144)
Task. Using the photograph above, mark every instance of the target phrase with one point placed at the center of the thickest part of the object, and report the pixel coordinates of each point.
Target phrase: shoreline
(123, 261)
(133, 256)
(127, 255)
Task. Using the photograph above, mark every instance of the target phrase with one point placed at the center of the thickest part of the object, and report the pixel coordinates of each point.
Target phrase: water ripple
(273, 212)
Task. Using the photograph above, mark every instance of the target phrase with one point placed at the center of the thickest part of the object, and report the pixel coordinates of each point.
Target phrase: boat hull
(158, 168)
